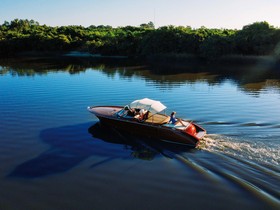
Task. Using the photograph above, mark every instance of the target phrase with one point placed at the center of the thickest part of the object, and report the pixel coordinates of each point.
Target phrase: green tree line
(259, 38)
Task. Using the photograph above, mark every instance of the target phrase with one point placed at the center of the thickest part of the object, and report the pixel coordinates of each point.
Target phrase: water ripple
(265, 153)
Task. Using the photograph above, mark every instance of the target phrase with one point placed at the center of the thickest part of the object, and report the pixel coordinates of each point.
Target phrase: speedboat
(146, 118)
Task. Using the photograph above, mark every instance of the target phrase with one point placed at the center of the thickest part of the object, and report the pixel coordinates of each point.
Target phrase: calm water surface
(55, 155)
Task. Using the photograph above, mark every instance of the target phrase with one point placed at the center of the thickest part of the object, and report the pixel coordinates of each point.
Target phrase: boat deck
(157, 119)
(178, 125)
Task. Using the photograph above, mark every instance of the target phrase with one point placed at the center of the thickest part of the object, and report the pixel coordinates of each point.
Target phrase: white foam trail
(249, 150)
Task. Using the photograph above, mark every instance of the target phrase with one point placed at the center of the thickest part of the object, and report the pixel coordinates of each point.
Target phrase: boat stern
(195, 131)
(199, 131)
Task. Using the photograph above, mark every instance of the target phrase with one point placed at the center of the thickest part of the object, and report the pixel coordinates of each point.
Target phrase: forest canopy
(259, 38)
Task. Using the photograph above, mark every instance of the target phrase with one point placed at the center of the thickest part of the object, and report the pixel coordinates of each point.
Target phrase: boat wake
(262, 153)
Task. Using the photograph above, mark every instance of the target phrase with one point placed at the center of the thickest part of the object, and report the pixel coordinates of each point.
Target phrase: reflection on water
(142, 148)
(253, 79)
(137, 146)
(67, 149)
(70, 145)
(51, 147)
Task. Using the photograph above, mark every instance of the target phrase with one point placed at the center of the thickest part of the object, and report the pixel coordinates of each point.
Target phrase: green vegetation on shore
(254, 39)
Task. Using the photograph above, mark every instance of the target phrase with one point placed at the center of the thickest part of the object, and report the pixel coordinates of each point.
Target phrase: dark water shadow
(142, 148)
(71, 145)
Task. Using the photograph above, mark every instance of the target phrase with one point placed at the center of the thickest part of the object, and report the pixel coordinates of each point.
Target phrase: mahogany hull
(151, 131)
(108, 116)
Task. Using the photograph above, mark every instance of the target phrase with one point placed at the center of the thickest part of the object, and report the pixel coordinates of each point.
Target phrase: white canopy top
(148, 104)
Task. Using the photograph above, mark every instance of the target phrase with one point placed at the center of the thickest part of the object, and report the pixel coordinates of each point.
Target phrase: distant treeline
(258, 38)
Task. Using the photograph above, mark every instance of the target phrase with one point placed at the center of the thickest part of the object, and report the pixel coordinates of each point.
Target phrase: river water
(55, 155)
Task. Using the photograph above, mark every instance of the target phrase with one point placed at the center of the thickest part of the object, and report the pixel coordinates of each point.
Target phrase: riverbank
(183, 61)
(159, 63)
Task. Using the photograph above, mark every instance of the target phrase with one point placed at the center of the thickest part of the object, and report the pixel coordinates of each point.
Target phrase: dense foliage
(258, 38)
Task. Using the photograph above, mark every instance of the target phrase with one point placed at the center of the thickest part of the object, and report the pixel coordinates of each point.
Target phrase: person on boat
(173, 120)
(131, 112)
(127, 111)
(141, 114)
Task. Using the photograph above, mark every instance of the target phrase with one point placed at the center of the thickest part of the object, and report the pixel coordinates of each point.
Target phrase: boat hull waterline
(108, 116)
(153, 128)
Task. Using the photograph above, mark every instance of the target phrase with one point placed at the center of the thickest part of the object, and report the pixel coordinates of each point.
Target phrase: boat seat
(157, 118)
(178, 125)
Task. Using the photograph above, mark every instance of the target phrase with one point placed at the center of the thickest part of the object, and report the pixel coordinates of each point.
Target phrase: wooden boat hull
(108, 116)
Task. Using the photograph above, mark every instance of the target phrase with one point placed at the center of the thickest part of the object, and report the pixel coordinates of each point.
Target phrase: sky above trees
(195, 13)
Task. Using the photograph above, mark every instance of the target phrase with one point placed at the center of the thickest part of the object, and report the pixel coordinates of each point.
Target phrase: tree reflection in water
(250, 74)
